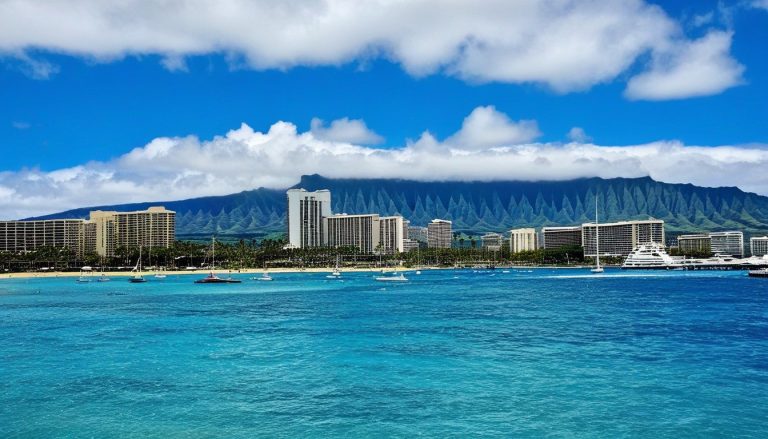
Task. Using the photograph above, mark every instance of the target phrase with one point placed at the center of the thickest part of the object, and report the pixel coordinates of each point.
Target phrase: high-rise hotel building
(305, 212)
(728, 243)
(151, 228)
(439, 234)
(620, 238)
(102, 233)
(370, 233)
(557, 237)
(392, 234)
(521, 240)
(25, 236)
(360, 231)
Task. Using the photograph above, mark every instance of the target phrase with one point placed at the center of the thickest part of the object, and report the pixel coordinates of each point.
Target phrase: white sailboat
(212, 278)
(598, 268)
(83, 278)
(336, 274)
(137, 277)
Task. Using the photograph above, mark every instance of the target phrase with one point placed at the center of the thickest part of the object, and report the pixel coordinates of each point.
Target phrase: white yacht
(652, 256)
(393, 278)
(265, 277)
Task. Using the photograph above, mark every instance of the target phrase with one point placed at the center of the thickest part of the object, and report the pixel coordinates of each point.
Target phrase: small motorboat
(103, 278)
(160, 276)
(336, 274)
(263, 277)
(213, 279)
(400, 278)
(137, 279)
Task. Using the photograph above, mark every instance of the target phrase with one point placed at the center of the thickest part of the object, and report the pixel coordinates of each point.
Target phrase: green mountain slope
(478, 207)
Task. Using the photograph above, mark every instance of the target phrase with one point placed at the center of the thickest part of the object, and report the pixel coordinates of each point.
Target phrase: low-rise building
(418, 234)
(492, 241)
(698, 244)
(759, 246)
(521, 240)
(410, 245)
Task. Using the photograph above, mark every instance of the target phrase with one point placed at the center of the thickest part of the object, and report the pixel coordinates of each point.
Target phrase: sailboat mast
(597, 236)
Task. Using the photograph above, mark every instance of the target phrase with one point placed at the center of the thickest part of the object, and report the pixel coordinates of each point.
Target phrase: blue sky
(79, 97)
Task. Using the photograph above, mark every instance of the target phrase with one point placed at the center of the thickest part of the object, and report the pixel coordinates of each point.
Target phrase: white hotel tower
(306, 211)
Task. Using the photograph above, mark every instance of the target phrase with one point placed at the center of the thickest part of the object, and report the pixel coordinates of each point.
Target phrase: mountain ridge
(475, 207)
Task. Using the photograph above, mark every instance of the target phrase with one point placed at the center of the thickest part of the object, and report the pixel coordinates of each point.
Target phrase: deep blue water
(557, 353)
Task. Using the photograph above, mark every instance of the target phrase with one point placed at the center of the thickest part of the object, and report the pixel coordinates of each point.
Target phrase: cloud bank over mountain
(489, 146)
(565, 45)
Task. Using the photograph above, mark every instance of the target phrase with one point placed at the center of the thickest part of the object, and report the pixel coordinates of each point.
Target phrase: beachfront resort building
(391, 234)
(439, 234)
(759, 246)
(522, 240)
(410, 245)
(26, 236)
(419, 234)
(107, 231)
(102, 233)
(492, 241)
(557, 237)
(360, 231)
(620, 238)
(694, 244)
(305, 213)
(728, 243)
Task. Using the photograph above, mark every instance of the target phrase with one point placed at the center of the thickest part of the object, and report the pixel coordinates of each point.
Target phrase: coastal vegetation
(270, 253)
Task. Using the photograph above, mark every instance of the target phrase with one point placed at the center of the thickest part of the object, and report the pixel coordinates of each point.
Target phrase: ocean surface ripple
(452, 353)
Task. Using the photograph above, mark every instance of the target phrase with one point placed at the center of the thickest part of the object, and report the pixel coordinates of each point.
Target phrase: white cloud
(695, 68)
(486, 128)
(563, 44)
(169, 168)
(761, 4)
(345, 130)
(578, 135)
(702, 19)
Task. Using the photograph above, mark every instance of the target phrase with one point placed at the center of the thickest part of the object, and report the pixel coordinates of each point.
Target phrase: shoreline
(97, 274)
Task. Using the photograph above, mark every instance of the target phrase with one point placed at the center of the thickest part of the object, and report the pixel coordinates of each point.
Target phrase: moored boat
(763, 272)
(651, 256)
(400, 278)
(213, 279)
(264, 277)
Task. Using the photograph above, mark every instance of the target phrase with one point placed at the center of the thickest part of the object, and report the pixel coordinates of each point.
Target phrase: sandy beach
(111, 274)
(96, 274)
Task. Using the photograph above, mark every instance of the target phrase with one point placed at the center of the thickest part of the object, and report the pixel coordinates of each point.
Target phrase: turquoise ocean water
(555, 353)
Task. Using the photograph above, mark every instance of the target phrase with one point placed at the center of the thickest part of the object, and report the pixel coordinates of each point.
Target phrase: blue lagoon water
(559, 353)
